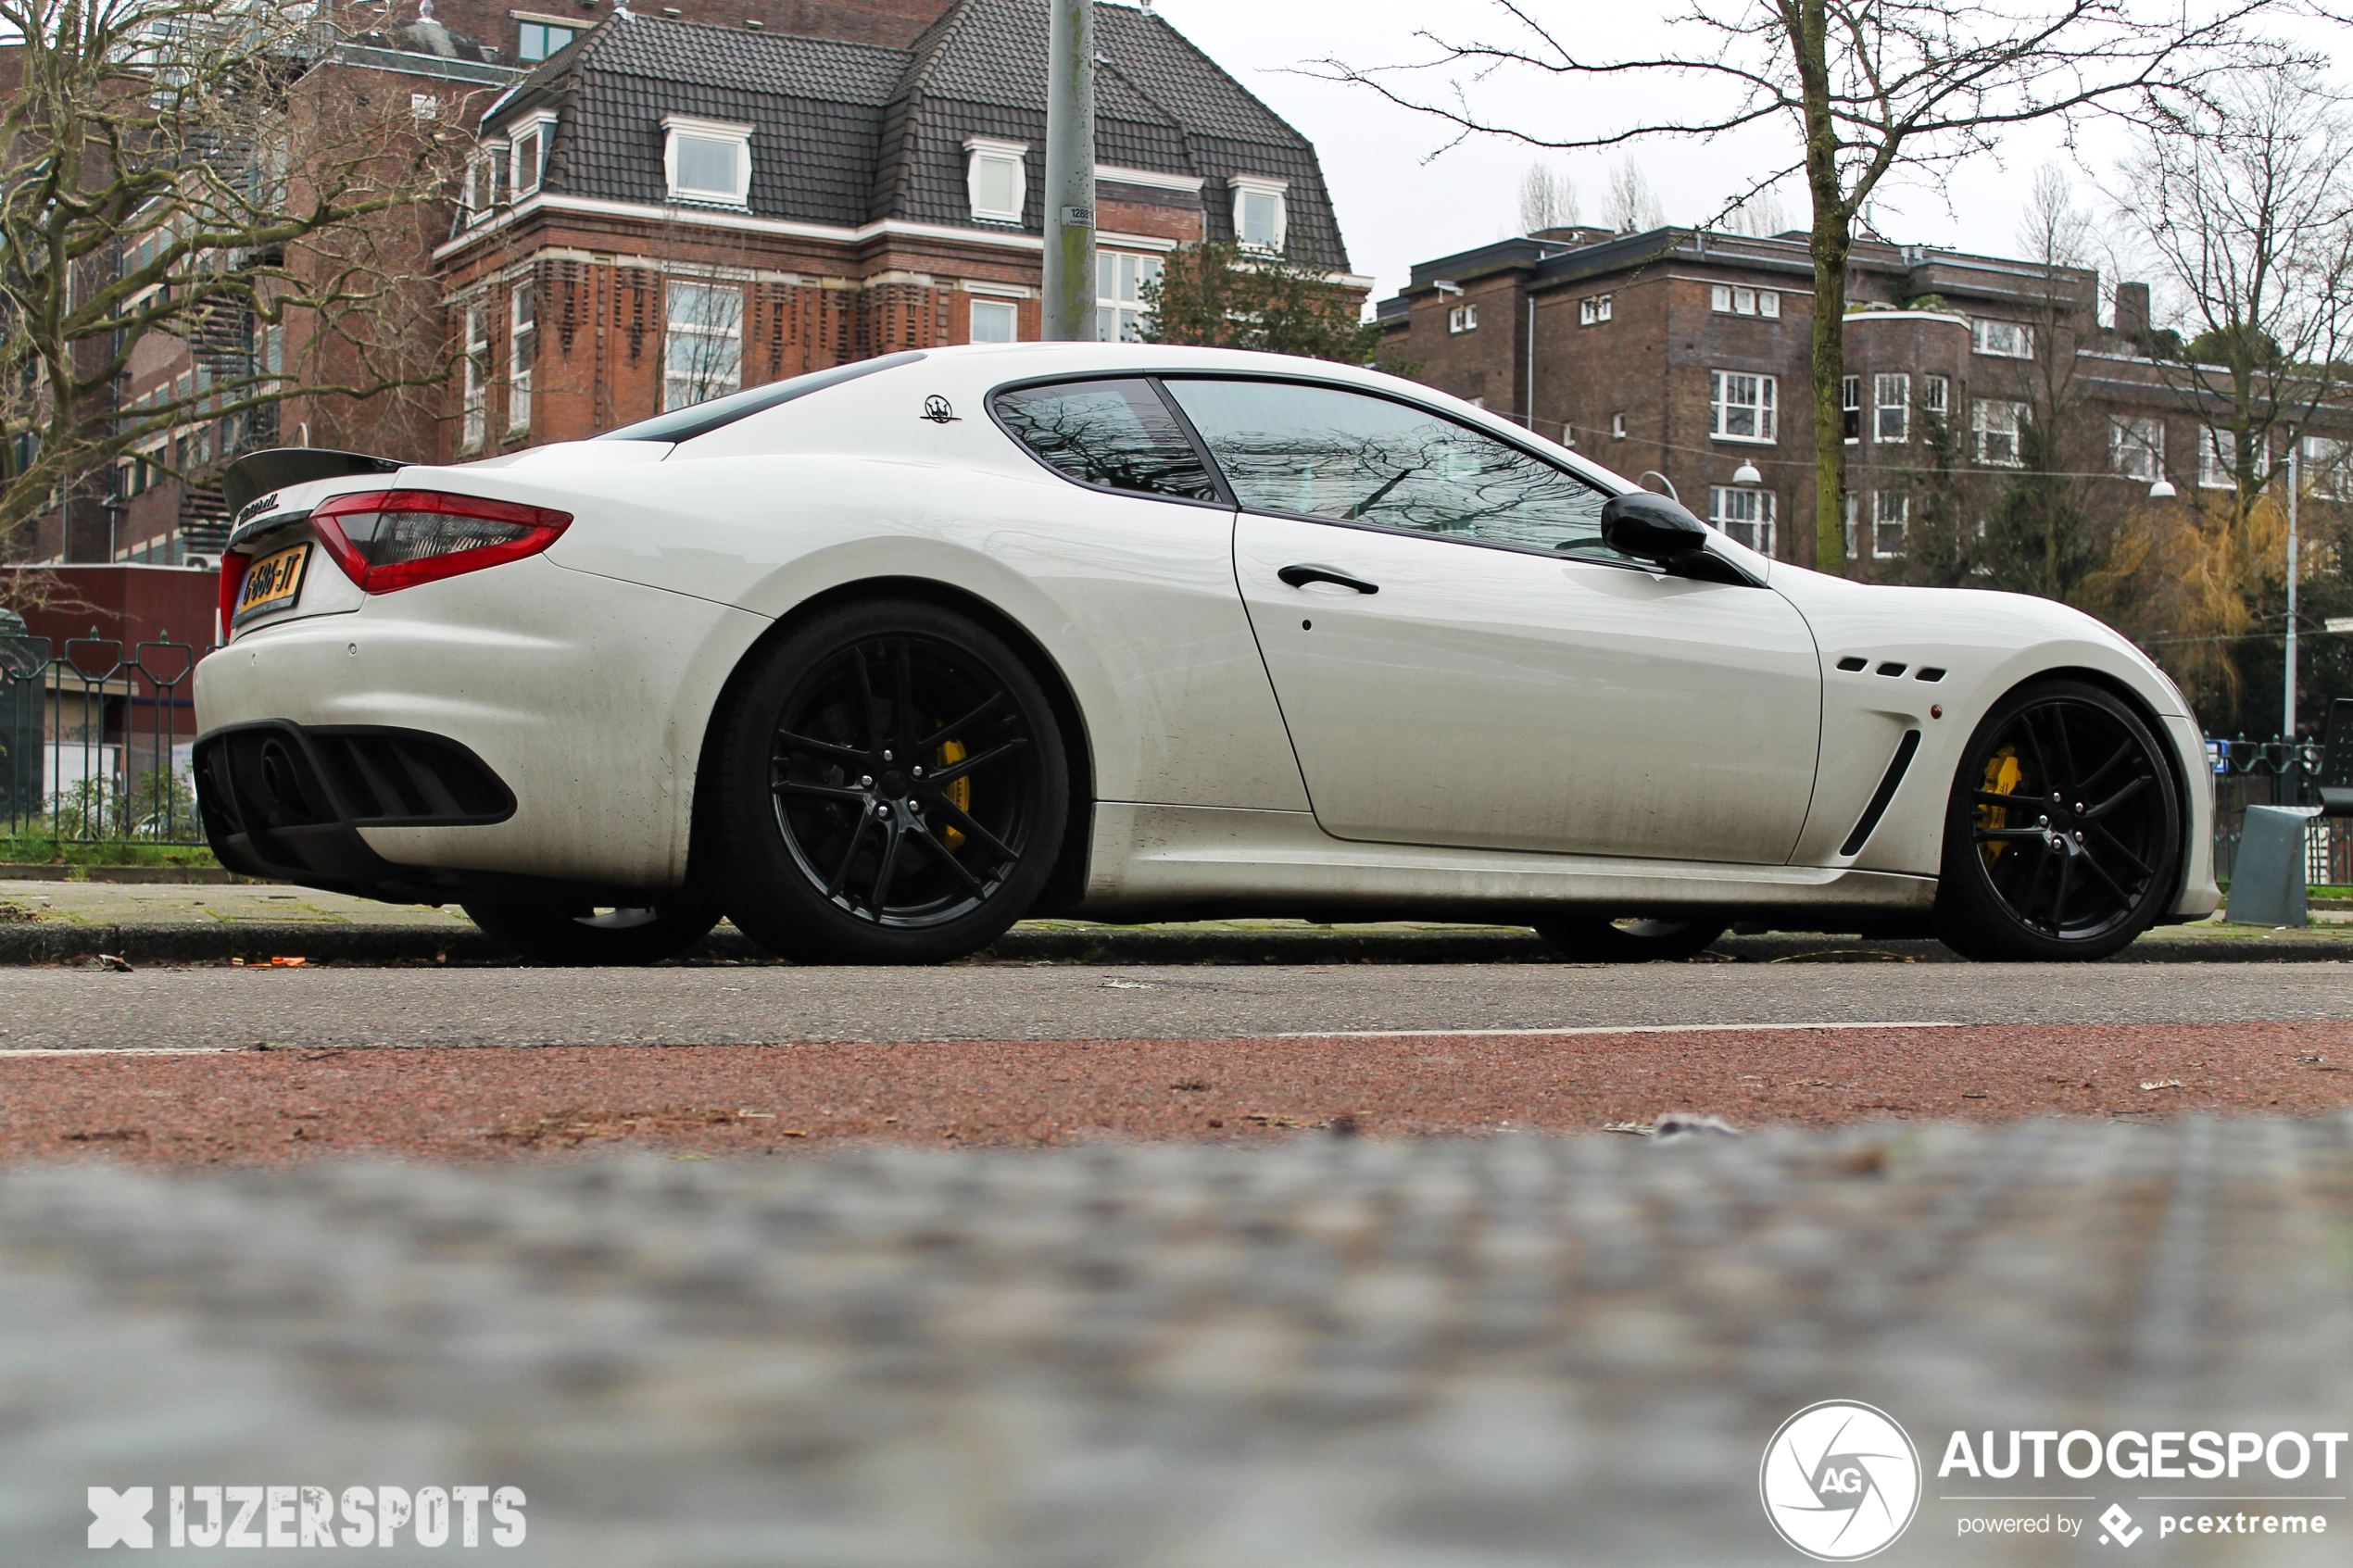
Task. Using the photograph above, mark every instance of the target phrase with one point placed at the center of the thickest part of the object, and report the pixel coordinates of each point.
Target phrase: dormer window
(1260, 219)
(531, 154)
(996, 179)
(485, 181)
(707, 160)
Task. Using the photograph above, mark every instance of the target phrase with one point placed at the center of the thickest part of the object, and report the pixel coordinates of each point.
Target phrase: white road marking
(1603, 1029)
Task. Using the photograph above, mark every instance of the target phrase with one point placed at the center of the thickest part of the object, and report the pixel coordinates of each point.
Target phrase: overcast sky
(1398, 205)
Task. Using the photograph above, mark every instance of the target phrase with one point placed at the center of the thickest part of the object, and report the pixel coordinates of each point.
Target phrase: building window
(2218, 459)
(474, 369)
(702, 352)
(1997, 426)
(485, 181)
(1463, 318)
(1742, 406)
(1849, 505)
(530, 156)
(536, 41)
(1120, 307)
(1891, 520)
(1936, 396)
(424, 106)
(1892, 408)
(995, 321)
(1736, 301)
(2011, 340)
(2325, 469)
(996, 179)
(1595, 308)
(1617, 427)
(1260, 219)
(2135, 446)
(523, 346)
(707, 160)
(1744, 514)
(1850, 403)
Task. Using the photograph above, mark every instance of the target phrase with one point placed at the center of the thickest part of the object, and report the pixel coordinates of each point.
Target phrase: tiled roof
(845, 133)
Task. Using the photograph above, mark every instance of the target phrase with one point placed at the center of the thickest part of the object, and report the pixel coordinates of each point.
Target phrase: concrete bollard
(2267, 885)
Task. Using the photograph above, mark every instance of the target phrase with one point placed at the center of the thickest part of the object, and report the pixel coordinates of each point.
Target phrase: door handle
(1300, 576)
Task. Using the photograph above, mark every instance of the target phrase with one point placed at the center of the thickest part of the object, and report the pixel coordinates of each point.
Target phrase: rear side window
(1346, 457)
(1113, 434)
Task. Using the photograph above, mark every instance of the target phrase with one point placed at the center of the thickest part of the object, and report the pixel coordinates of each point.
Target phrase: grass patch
(30, 851)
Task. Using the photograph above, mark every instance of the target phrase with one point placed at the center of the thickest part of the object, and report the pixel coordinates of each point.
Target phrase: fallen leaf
(1972, 1094)
(119, 965)
(2163, 1083)
(1639, 1129)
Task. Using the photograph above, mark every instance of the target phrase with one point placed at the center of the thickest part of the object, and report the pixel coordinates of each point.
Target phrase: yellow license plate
(273, 583)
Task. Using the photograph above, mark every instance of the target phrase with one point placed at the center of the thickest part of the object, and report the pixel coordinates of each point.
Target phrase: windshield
(702, 418)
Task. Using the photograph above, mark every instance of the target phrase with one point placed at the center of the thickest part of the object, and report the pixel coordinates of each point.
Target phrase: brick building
(662, 208)
(1688, 354)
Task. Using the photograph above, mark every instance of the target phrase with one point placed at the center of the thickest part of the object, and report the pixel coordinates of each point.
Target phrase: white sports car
(877, 660)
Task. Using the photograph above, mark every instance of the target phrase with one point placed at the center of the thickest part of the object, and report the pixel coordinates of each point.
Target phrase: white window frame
(1618, 426)
(986, 152)
(1936, 396)
(1463, 318)
(1769, 305)
(1880, 521)
(523, 327)
(1012, 317)
(1984, 428)
(1890, 407)
(1850, 509)
(535, 132)
(475, 402)
(1743, 506)
(674, 127)
(485, 175)
(1740, 299)
(1595, 308)
(1766, 407)
(2003, 339)
(2217, 457)
(673, 326)
(1850, 407)
(2136, 446)
(2325, 468)
(1120, 278)
(1247, 185)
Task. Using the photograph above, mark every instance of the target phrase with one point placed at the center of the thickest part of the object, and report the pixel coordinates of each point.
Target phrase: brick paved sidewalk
(56, 921)
(1364, 1353)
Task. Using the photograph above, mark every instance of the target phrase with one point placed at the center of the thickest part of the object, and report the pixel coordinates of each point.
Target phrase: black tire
(836, 845)
(590, 937)
(1595, 939)
(2091, 862)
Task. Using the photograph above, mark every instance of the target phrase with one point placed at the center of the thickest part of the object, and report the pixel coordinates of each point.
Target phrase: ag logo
(1840, 1481)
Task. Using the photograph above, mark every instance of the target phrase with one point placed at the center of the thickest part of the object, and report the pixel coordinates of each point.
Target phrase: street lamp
(2162, 490)
(1747, 474)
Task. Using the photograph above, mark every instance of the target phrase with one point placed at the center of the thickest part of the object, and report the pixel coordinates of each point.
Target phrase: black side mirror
(1650, 527)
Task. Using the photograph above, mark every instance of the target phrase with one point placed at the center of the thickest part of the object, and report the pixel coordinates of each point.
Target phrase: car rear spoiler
(255, 474)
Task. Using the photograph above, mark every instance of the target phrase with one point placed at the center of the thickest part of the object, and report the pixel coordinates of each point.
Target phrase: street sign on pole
(1070, 173)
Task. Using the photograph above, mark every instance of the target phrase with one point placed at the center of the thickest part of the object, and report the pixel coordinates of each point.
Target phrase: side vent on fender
(1905, 749)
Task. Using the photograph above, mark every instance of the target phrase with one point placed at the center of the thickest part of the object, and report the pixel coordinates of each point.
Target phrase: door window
(1342, 457)
(1118, 435)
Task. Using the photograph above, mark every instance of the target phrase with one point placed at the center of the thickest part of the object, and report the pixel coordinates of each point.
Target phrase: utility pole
(1070, 173)
(2295, 484)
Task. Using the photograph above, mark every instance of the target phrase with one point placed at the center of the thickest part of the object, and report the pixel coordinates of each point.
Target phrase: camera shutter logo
(1840, 1481)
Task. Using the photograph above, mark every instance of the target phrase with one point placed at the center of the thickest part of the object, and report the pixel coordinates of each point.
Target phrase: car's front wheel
(597, 937)
(2063, 832)
(891, 789)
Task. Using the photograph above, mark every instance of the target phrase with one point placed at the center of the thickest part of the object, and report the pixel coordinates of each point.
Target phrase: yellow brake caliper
(959, 794)
(2002, 777)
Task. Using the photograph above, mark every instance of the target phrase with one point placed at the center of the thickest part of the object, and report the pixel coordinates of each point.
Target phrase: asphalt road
(59, 1009)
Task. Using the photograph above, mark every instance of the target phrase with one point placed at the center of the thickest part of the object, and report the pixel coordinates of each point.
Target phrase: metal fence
(2276, 773)
(95, 741)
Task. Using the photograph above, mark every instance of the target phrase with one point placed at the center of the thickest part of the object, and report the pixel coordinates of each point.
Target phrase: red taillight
(390, 539)
(232, 580)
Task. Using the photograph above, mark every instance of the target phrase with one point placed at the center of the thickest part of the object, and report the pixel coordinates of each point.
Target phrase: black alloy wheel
(2063, 834)
(1596, 939)
(599, 937)
(893, 789)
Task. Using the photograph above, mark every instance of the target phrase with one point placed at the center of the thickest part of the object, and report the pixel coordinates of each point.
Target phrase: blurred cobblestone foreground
(1519, 1350)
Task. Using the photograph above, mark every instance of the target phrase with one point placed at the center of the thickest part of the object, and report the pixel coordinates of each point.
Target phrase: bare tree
(1859, 89)
(185, 168)
(1758, 214)
(1633, 206)
(1547, 200)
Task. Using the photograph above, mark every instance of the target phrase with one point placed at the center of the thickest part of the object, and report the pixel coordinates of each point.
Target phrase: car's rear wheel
(593, 936)
(891, 789)
(1594, 939)
(2063, 832)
